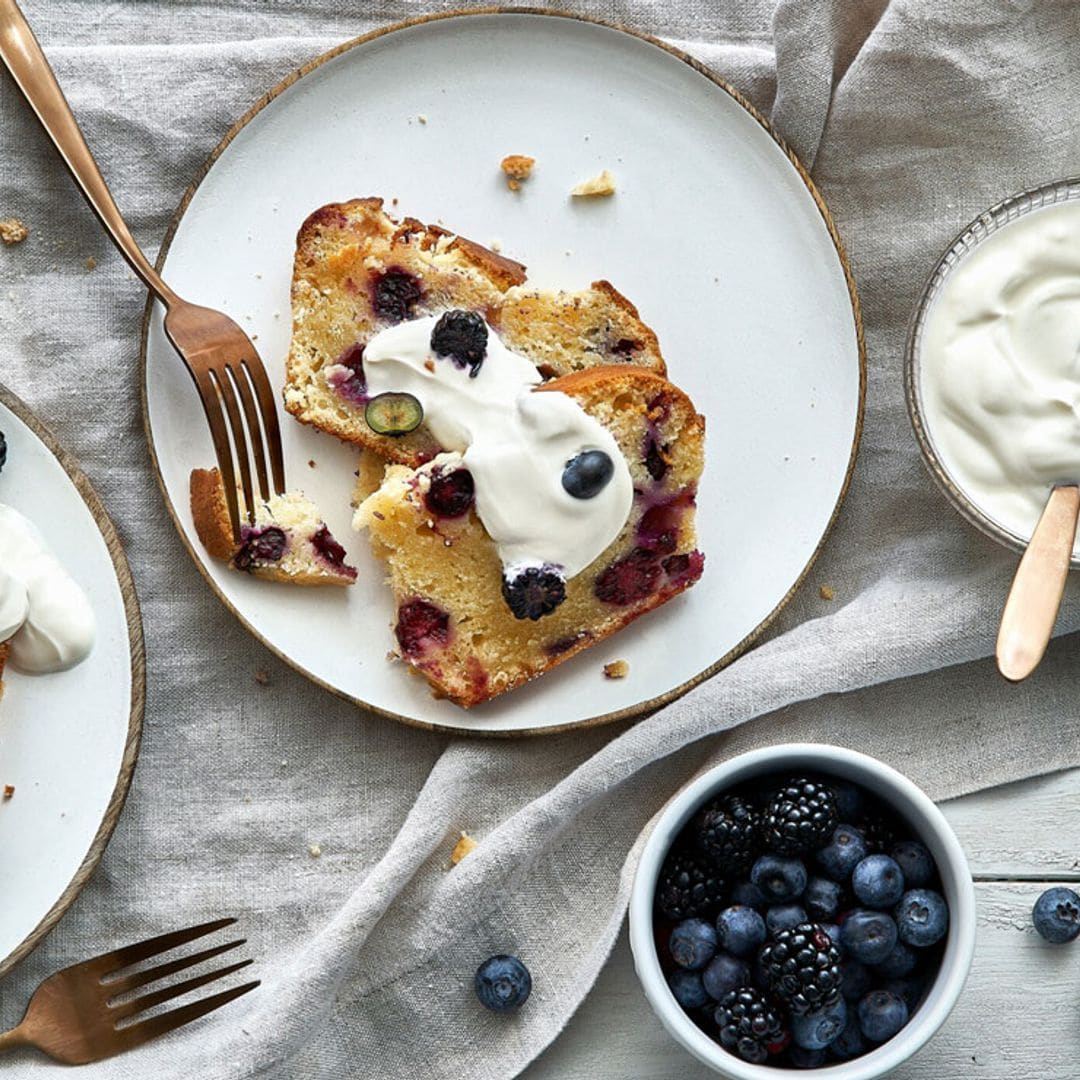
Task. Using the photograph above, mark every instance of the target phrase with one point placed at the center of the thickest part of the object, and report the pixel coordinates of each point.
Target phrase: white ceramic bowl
(896, 791)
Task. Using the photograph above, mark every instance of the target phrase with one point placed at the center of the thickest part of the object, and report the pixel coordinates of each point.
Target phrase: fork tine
(251, 412)
(167, 993)
(239, 438)
(268, 410)
(141, 978)
(219, 435)
(135, 1035)
(143, 950)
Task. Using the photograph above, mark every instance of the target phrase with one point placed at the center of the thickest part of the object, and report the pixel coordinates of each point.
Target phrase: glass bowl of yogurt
(992, 369)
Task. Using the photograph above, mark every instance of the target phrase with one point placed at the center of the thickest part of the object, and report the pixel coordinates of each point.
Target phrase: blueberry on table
(868, 936)
(922, 917)
(784, 917)
(816, 1030)
(822, 899)
(688, 989)
(800, 818)
(741, 930)
(844, 851)
(586, 475)
(1057, 915)
(692, 944)
(878, 881)
(724, 974)
(779, 879)
(881, 1015)
(915, 861)
(502, 983)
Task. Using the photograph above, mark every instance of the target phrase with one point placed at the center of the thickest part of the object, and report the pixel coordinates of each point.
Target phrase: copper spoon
(1035, 597)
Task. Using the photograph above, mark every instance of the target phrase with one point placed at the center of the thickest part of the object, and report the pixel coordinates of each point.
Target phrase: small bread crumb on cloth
(617, 669)
(600, 185)
(826, 592)
(462, 848)
(517, 167)
(13, 231)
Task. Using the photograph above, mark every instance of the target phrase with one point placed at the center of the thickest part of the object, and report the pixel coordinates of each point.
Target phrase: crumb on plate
(9, 790)
(462, 848)
(617, 669)
(311, 463)
(13, 231)
(826, 592)
(600, 185)
(518, 167)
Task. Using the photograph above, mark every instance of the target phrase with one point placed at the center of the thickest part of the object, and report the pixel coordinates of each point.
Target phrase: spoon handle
(1032, 606)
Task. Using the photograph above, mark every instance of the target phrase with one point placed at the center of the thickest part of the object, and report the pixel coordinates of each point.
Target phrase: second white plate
(713, 233)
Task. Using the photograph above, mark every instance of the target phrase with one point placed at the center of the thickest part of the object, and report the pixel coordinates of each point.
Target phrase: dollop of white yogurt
(43, 612)
(1000, 366)
(514, 441)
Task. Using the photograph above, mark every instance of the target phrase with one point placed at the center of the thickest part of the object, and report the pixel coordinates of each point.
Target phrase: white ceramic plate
(713, 233)
(68, 742)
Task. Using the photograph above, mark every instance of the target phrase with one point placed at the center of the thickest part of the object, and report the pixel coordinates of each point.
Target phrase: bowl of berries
(801, 907)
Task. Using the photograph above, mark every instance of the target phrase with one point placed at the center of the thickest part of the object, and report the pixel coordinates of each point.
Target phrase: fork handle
(34, 76)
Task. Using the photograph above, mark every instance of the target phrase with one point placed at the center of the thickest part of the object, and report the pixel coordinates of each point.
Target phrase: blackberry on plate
(803, 968)
(261, 546)
(396, 293)
(688, 886)
(463, 337)
(750, 1025)
(800, 817)
(727, 831)
(534, 592)
(451, 493)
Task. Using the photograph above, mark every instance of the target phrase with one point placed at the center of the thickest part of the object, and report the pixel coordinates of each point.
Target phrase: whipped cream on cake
(515, 440)
(43, 612)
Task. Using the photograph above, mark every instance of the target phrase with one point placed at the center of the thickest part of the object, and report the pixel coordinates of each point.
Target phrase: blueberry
(881, 1015)
(534, 592)
(393, 414)
(260, 546)
(922, 917)
(1057, 915)
(784, 917)
(693, 944)
(900, 962)
(850, 1042)
(502, 983)
(450, 493)
(688, 989)
(822, 899)
(723, 975)
(586, 475)
(909, 990)
(915, 862)
(801, 1058)
(741, 930)
(868, 936)
(748, 894)
(462, 336)
(779, 879)
(816, 1030)
(849, 800)
(855, 980)
(878, 881)
(842, 853)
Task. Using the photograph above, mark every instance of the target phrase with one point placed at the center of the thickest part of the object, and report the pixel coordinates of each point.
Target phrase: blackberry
(800, 817)
(451, 493)
(261, 546)
(463, 337)
(689, 887)
(727, 831)
(534, 592)
(396, 294)
(629, 579)
(879, 834)
(420, 624)
(802, 966)
(750, 1025)
(327, 547)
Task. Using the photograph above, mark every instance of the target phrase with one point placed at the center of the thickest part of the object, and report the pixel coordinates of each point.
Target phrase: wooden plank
(615, 1036)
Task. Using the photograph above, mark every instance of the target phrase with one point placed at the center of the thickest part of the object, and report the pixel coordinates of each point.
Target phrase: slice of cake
(289, 541)
(478, 617)
(357, 271)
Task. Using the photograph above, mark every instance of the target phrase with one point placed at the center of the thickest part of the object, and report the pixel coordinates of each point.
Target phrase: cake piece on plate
(506, 558)
(357, 271)
(289, 541)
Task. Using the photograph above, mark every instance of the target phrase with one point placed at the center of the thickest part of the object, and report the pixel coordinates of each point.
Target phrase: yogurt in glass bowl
(992, 368)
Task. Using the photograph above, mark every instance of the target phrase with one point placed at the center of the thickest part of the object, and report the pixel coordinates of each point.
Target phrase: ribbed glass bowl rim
(985, 225)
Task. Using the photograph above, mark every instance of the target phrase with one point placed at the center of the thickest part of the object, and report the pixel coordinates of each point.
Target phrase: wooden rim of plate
(643, 707)
(138, 680)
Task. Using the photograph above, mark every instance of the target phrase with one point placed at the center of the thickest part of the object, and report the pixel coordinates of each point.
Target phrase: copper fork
(229, 376)
(74, 1016)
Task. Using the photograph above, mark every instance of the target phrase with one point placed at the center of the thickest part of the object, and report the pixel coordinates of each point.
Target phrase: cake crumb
(91, 263)
(617, 669)
(13, 231)
(600, 185)
(826, 592)
(262, 677)
(429, 365)
(517, 168)
(462, 848)
(9, 790)
(394, 201)
(314, 850)
(311, 463)
(496, 246)
(422, 117)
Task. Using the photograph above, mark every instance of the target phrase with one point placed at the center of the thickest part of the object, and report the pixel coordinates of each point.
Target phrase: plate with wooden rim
(68, 742)
(715, 232)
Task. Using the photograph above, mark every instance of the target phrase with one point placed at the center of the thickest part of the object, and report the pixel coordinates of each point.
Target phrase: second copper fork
(229, 375)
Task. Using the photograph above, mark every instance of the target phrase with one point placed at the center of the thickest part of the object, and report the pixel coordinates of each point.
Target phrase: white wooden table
(1018, 839)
